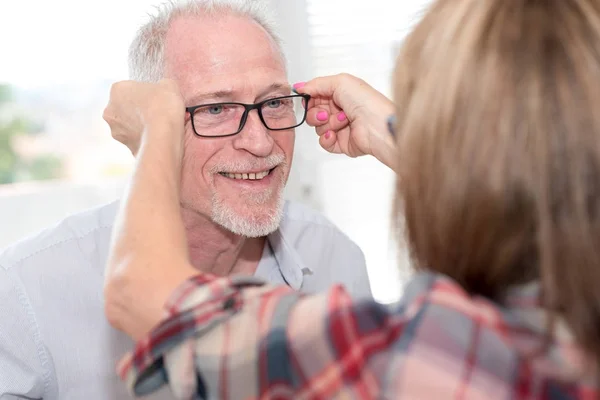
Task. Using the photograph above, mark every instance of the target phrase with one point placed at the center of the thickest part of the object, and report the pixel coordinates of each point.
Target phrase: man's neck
(215, 250)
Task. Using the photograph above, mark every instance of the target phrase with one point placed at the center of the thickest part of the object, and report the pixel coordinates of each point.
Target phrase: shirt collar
(521, 306)
(288, 260)
(422, 283)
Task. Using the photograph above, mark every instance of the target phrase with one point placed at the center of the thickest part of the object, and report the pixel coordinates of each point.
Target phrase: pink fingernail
(299, 85)
(341, 116)
(322, 116)
(327, 134)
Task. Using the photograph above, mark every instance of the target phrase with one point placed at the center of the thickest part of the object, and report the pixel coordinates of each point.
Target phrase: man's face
(231, 59)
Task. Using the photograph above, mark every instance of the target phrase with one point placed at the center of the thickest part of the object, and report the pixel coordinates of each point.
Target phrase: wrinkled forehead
(222, 53)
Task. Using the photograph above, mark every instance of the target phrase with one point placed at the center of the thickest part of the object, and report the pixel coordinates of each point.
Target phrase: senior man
(227, 61)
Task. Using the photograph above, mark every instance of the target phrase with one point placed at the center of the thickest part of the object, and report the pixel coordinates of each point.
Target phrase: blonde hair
(499, 141)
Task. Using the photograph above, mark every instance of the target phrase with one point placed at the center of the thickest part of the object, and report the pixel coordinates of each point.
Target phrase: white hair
(146, 52)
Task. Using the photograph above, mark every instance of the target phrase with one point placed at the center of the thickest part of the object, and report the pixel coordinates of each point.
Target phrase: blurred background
(59, 58)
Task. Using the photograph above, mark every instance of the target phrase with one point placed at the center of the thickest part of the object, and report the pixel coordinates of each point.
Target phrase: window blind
(360, 37)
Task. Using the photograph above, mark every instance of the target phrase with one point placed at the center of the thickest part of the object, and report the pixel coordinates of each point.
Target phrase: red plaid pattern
(234, 338)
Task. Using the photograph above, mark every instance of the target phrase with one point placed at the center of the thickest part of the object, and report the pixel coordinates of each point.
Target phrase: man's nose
(255, 138)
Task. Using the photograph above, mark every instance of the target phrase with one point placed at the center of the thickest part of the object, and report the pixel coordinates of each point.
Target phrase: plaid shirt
(236, 338)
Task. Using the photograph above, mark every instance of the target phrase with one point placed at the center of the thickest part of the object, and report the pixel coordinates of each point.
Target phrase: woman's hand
(350, 117)
(134, 106)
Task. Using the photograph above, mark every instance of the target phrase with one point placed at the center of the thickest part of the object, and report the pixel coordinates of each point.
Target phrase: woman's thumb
(318, 87)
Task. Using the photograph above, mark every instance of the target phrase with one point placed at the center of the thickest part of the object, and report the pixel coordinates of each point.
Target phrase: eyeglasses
(228, 119)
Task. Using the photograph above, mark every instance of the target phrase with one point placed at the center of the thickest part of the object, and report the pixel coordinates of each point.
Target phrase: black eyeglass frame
(247, 109)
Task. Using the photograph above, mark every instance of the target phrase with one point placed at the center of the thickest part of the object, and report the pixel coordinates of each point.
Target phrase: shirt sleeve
(237, 337)
(21, 370)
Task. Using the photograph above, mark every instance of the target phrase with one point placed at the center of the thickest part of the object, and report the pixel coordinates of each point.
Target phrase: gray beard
(249, 226)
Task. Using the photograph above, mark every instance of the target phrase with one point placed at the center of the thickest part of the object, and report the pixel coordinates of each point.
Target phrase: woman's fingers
(324, 119)
(317, 117)
(328, 141)
(321, 130)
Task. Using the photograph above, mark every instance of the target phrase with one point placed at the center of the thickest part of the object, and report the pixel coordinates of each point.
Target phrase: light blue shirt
(55, 342)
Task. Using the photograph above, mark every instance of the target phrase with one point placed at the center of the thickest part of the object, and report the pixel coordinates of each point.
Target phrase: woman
(497, 152)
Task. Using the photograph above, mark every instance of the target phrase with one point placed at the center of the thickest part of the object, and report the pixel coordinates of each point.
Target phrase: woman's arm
(148, 257)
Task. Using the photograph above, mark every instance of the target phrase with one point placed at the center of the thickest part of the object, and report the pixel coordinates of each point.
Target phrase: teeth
(250, 176)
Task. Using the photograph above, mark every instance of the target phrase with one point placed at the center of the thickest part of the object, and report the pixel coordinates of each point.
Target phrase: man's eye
(215, 110)
(274, 103)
